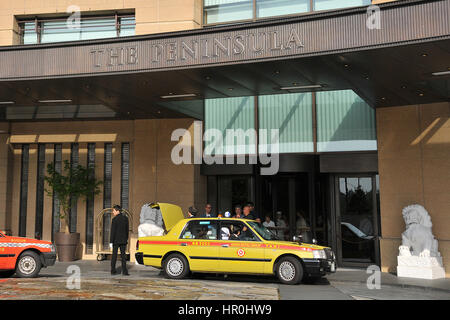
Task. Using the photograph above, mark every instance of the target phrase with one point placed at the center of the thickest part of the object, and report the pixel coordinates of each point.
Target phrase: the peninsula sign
(200, 49)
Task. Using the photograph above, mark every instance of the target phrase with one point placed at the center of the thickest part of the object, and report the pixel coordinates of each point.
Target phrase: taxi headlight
(53, 248)
(319, 254)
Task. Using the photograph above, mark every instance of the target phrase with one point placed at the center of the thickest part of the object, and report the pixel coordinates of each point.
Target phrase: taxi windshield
(265, 233)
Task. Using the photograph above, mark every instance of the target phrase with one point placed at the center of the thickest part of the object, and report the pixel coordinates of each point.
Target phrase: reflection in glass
(357, 216)
(127, 26)
(233, 190)
(291, 114)
(30, 35)
(270, 8)
(217, 11)
(345, 122)
(229, 126)
(59, 30)
(58, 112)
(336, 4)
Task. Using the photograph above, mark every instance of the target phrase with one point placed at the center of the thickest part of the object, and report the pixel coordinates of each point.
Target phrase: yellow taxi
(229, 245)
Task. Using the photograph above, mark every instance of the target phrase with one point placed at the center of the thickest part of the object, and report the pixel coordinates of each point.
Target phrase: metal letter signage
(187, 51)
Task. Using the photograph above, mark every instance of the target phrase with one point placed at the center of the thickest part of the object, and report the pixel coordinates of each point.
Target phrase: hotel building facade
(357, 90)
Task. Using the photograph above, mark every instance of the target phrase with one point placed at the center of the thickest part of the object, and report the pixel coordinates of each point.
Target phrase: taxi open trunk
(171, 214)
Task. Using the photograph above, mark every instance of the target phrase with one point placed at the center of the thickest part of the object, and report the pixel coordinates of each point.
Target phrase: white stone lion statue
(418, 239)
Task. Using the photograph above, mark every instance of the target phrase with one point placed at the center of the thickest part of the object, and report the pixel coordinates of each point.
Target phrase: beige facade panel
(153, 176)
(414, 167)
(48, 201)
(172, 15)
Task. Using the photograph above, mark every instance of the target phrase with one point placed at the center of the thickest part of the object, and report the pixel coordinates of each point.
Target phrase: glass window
(59, 30)
(95, 111)
(264, 232)
(229, 126)
(357, 217)
(292, 115)
(58, 112)
(337, 4)
(270, 8)
(127, 26)
(217, 11)
(30, 35)
(55, 112)
(344, 122)
(233, 190)
(236, 231)
(200, 229)
(20, 113)
(99, 28)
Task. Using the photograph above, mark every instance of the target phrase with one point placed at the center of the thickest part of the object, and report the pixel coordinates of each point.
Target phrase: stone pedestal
(420, 267)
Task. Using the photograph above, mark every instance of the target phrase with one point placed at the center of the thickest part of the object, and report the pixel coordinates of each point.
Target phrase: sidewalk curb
(401, 285)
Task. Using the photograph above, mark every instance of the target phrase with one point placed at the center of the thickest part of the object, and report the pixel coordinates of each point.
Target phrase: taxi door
(199, 244)
(246, 255)
(5, 252)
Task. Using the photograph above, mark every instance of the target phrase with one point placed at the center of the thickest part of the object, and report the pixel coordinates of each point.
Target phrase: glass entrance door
(357, 220)
(285, 202)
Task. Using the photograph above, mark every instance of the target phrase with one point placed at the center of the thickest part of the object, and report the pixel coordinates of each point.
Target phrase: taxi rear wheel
(289, 270)
(176, 266)
(28, 265)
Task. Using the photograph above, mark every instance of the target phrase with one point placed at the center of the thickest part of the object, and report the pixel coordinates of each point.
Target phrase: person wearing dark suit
(207, 213)
(119, 239)
(248, 213)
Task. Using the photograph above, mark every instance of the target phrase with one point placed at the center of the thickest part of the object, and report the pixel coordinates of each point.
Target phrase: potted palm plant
(68, 186)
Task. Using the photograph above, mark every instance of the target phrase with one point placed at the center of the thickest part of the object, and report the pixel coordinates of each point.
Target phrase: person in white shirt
(281, 226)
(268, 223)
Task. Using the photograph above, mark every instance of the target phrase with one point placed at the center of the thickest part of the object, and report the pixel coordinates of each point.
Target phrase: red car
(24, 256)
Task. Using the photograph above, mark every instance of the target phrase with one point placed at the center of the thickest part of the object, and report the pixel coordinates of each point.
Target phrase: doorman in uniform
(119, 239)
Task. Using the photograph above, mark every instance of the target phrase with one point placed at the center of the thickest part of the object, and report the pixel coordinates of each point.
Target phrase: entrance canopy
(402, 59)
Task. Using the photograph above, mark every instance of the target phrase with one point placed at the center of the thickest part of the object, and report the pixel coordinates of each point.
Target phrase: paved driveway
(96, 282)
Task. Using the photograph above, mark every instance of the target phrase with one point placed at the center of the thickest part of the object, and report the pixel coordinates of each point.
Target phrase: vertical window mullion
(24, 190)
(40, 191)
(57, 161)
(117, 24)
(74, 162)
(90, 202)
(107, 192)
(38, 30)
(125, 175)
(314, 120)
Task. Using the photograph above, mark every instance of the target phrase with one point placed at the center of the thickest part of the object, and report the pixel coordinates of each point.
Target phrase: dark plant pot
(66, 246)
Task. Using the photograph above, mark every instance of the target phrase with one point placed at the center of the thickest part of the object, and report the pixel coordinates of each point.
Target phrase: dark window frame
(216, 222)
(249, 228)
(74, 161)
(24, 190)
(255, 18)
(125, 155)
(40, 180)
(57, 161)
(91, 150)
(39, 21)
(107, 191)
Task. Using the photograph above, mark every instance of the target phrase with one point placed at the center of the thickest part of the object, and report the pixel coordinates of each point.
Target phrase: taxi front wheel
(28, 265)
(289, 270)
(176, 266)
